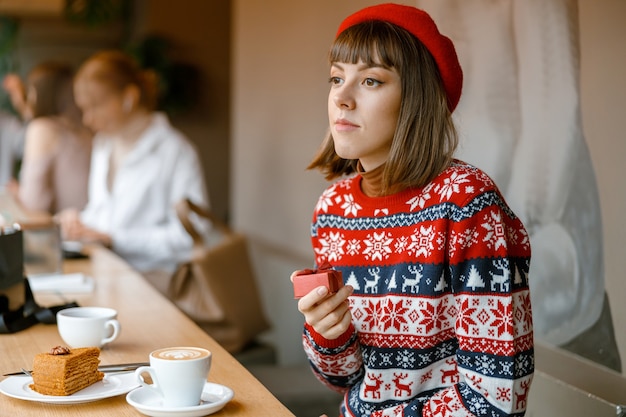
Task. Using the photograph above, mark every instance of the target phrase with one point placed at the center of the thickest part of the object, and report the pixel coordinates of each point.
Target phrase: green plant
(95, 13)
(8, 35)
(178, 82)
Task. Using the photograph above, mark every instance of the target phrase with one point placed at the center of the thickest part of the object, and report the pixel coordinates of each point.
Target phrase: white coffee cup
(88, 326)
(178, 375)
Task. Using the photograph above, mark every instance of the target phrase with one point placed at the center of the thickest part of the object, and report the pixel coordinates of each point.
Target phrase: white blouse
(138, 212)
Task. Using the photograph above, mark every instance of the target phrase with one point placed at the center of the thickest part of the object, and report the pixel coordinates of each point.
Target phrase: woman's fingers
(329, 315)
(319, 299)
(334, 325)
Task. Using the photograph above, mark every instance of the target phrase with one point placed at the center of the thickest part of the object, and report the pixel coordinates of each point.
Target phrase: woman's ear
(31, 96)
(29, 105)
(127, 105)
(131, 98)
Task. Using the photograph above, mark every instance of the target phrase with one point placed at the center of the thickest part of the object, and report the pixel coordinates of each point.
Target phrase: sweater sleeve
(336, 363)
(489, 255)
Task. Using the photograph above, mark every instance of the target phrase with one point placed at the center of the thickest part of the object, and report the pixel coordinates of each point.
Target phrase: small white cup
(88, 326)
(178, 375)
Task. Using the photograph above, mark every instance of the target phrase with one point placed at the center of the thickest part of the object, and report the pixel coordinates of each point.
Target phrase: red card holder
(308, 280)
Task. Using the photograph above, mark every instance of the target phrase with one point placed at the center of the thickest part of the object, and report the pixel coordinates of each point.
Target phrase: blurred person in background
(141, 167)
(57, 150)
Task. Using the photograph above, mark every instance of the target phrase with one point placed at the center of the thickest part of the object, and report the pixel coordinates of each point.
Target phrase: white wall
(603, 91)
(279, 117)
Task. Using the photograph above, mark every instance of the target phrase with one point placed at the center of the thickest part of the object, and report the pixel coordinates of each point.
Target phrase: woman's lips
(343, 125)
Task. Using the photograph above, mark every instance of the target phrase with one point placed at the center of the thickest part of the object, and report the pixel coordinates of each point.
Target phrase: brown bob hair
(425, 137)
(50, 84)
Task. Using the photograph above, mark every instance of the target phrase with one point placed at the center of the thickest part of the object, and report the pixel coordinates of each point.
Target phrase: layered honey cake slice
(64, 371)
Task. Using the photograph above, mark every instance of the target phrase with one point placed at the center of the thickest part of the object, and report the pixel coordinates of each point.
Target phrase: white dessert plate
(61, 283)
(72, 246)
(112, 385)
(214, 398)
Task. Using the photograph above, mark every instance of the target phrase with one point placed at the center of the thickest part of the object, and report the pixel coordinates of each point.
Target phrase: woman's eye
(334, 80)
(371, 82)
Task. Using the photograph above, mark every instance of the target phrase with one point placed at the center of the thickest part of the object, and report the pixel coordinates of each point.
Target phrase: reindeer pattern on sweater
(441, 316)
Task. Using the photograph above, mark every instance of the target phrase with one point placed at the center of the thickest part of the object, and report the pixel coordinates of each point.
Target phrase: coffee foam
(180, 353)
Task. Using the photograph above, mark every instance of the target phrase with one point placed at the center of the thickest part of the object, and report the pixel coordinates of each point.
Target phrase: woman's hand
(13, 188)
(73, 229)
(328, 314)
(13, 85)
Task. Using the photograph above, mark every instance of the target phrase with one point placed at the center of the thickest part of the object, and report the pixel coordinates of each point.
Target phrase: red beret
(422, 26)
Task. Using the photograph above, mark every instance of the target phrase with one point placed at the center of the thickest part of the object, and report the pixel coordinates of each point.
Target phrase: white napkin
(66, 283)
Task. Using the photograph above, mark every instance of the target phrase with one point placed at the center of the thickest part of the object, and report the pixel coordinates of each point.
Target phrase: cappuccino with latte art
(180, 353)
(178, 375)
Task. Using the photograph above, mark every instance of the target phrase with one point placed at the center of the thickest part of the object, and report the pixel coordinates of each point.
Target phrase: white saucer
(112, 385)
(214, 398)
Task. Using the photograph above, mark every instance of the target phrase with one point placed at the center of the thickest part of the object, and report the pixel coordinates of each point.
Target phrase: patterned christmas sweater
(441, 316)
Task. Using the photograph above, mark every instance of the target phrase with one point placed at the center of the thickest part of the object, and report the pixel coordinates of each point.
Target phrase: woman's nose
(343, 98)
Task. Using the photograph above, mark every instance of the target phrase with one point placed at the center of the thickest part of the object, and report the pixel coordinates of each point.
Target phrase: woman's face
(363, 109)
(102, 108)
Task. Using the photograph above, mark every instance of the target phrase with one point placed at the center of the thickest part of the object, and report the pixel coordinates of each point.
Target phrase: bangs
(373, 42)
(425, 137)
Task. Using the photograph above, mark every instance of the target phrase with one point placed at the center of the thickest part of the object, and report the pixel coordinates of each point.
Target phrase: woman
(55, 168)
(435, 316)
(141, 167)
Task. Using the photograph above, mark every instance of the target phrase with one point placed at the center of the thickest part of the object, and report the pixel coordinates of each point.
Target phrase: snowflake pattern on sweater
(441, 316)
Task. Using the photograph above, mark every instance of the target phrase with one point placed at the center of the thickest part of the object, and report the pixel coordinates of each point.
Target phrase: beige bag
(217, 288)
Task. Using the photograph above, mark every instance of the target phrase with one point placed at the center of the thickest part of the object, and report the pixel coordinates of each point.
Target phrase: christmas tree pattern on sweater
(441, 317)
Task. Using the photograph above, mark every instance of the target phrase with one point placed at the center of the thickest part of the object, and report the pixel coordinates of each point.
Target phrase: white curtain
(519, 120)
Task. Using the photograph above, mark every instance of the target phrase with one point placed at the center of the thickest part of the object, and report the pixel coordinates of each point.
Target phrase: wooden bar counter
(149, 321)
